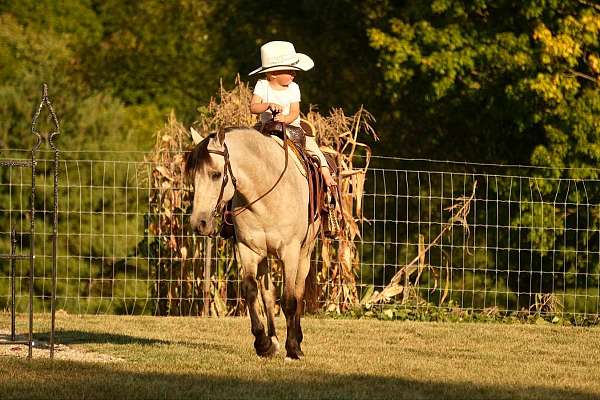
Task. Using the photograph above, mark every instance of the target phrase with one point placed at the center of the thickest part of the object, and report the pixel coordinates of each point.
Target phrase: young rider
(278, 93)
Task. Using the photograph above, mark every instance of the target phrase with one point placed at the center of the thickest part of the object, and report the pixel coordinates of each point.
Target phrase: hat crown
(278, 53)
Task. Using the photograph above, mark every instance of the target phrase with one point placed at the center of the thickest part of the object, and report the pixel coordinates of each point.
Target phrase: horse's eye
(215, 175)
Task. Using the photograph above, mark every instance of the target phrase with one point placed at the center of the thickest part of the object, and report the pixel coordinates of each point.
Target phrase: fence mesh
(532, 243)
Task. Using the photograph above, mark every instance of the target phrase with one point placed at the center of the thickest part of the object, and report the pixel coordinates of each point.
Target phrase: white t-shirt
(284, 98)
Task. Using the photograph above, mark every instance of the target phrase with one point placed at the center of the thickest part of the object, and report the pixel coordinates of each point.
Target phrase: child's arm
(289, 118)
(257, 106)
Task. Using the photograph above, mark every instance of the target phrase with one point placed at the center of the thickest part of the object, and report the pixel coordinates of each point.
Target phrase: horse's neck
(246, 146)
(271, 207)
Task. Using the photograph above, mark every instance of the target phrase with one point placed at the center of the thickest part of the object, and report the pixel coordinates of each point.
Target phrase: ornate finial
(45, 101)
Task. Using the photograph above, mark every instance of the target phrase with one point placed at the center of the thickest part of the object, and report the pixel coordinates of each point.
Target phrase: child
(278, 93)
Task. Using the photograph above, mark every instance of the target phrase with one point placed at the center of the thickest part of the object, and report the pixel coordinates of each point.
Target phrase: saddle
(296, 134)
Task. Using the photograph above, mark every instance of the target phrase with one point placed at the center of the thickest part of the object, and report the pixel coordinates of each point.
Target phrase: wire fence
(529, 243)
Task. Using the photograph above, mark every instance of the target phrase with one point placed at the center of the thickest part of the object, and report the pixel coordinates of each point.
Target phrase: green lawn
(213, 358)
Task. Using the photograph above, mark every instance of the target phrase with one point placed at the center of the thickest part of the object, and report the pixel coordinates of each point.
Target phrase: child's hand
(280, 118)
(275, 107)
(329, 181)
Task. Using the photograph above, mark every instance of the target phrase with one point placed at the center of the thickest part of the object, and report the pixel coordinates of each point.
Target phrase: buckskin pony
(269, 196)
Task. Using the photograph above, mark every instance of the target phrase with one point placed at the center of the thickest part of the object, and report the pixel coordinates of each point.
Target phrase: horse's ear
(196, 137)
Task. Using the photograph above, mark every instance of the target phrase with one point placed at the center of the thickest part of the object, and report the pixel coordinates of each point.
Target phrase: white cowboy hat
(279, 55)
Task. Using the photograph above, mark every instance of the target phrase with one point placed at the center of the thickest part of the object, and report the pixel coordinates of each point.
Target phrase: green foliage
(453, 313)
(44, 42)
(542, 224)
(446, 79)
(155, 52)
(49, 50)
(504, 81)
(477, 77)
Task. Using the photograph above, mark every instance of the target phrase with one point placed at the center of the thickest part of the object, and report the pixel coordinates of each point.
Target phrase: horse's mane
(198, 156)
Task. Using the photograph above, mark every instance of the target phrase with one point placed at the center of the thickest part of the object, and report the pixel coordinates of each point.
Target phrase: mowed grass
(195, 358)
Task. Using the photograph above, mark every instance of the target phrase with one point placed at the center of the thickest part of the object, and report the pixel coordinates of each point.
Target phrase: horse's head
(207, 166)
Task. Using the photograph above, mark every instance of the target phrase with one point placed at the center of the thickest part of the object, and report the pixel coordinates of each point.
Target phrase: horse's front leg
(267, 290)
(303, 270)
(290, 259)
(262, 343)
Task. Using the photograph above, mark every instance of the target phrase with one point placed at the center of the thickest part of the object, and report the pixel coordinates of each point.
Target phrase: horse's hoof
(292, 356)
(269, 349)
(275, 343)
(291, 359)
(300, 353)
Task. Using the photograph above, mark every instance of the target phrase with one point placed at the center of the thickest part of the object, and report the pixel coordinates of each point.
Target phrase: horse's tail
(311, 289)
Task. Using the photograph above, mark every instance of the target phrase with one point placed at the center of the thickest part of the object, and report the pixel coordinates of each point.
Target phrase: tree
(471, 79)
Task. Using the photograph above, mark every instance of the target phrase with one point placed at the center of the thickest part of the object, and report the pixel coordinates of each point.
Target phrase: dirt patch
(41, 349)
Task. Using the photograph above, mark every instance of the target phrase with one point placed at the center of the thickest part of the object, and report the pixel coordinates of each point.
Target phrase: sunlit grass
(214, 358)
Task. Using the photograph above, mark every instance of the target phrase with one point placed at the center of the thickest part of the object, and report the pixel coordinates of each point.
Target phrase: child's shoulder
(262, 83)
(261, 88)
(294, 89)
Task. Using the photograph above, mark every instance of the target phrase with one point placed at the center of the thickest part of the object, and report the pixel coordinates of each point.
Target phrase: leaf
(183, 251)
(388, 313)
(387, 293)
(368, 295)
(219, 305)
(164, 172)
(446, 287)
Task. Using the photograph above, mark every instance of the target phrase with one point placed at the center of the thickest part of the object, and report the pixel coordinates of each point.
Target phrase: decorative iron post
(13, 256)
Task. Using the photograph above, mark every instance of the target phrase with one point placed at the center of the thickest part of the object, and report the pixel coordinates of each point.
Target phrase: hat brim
(304, 64)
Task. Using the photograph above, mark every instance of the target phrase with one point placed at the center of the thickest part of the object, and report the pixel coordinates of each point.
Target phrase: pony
(269, 194)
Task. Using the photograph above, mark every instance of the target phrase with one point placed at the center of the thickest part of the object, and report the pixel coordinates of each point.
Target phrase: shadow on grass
(80, 337)
(75, 337)
(67, 379)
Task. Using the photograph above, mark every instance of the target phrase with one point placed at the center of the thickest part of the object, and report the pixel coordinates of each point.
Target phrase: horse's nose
(202, 225)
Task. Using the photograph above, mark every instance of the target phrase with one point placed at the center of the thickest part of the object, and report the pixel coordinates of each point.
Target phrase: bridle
(226, 172)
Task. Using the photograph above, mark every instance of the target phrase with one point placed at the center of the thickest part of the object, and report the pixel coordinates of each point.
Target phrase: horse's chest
(263, 243)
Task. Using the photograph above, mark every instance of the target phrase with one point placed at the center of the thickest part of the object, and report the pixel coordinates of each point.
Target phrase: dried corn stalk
(547, 303)
(339, 135)
(173, 253)
(171, 200)
(230, 108)
(178, 258)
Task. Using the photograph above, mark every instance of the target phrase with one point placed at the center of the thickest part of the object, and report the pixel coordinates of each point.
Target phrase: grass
(213, 358)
